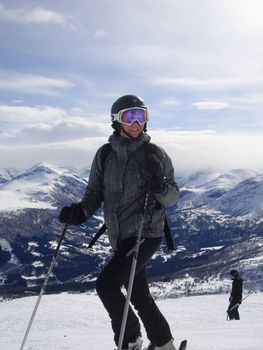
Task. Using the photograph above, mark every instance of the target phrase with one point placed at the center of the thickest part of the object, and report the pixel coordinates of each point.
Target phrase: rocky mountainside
(217, 225)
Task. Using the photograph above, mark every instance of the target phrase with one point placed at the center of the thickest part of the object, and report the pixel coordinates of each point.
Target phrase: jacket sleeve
(170, 194)
(93, 196)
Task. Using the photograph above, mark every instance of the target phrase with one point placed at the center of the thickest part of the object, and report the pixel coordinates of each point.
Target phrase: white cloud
(71, 153)
(101, 33)
(22, 115)
(60, 132)
(26, 125)
(33, 84)
(195, 150)
(17, 101)
(214, 105)
(37, 15)
(219, 83)
(170, 102)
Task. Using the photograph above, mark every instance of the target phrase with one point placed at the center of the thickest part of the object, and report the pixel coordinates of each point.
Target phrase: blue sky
(198, 64)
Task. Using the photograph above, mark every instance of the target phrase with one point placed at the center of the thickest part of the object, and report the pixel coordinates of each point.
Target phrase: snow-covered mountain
(39, 187)
(217, 225)
(237, 192)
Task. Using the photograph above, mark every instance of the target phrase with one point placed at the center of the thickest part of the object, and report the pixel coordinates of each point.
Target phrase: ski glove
(156, 174)
(73, 215)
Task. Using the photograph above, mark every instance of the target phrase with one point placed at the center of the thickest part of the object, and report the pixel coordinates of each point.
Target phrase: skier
(235, 298)
(130, 171)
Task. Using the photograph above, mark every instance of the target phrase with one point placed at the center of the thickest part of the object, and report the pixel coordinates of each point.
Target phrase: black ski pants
(233, 310)
(116, 274)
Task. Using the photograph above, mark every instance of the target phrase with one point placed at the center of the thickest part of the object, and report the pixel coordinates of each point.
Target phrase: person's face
(134, 130)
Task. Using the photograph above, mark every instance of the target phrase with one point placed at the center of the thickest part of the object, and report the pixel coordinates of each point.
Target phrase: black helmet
(233, 273)
(123, 102)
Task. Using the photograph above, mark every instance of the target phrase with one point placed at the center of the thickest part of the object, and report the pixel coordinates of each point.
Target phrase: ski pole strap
(97, 236)
(168, 236)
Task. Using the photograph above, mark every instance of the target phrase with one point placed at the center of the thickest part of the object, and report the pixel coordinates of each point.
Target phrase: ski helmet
(123, 102)
(233, 273)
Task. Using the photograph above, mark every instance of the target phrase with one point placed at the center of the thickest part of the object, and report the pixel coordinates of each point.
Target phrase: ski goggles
(130, 115)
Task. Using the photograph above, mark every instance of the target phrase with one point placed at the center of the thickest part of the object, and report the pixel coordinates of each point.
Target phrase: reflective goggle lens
(129, 116)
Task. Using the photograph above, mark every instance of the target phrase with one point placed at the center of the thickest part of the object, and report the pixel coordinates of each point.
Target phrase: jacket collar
(130, 145)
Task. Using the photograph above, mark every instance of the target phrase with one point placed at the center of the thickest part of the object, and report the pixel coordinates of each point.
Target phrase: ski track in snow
(79, 322)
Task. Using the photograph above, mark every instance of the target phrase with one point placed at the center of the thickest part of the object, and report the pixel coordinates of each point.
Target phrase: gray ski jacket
(121, 185)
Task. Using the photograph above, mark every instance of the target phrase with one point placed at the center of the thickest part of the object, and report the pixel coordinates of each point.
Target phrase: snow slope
(78, 321)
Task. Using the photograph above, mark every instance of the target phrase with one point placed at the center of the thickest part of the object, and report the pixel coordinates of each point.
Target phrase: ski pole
(132, 274)
(246, 296)
(237, 304)
(233, 307)
(44, 286)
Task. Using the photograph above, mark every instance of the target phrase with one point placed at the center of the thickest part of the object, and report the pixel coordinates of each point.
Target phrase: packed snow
(79, 321)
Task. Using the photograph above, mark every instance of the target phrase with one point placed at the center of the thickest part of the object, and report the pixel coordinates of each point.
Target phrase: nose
(135, 121)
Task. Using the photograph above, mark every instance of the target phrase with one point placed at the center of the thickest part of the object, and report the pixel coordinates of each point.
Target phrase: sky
(198, 65)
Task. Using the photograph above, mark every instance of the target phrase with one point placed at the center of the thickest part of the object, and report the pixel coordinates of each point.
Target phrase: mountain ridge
(215, 211)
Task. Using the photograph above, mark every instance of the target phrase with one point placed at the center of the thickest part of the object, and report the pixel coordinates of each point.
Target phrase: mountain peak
(46, 168)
